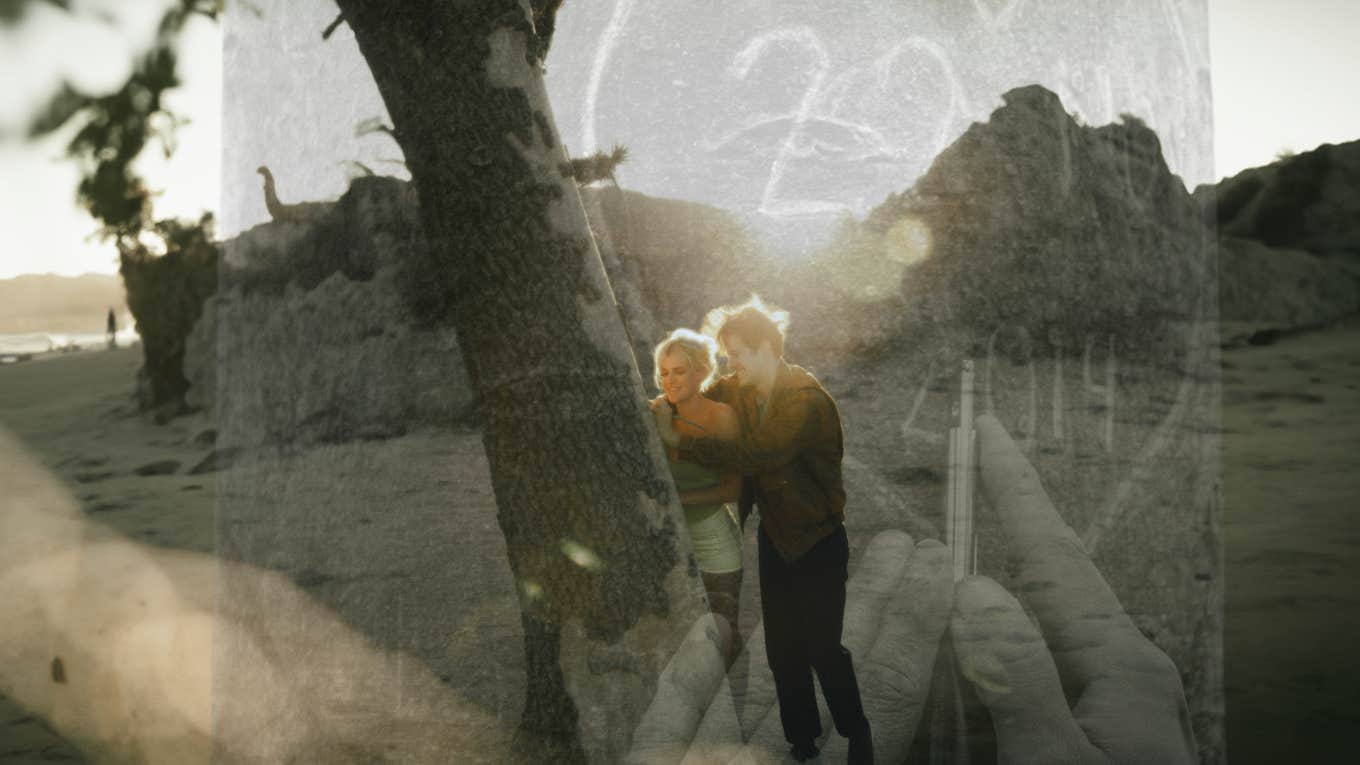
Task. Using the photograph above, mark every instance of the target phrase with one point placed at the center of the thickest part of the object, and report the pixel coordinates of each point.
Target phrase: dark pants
(803, 605)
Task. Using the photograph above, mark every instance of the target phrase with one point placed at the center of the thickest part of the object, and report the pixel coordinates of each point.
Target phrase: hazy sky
(1283, 77)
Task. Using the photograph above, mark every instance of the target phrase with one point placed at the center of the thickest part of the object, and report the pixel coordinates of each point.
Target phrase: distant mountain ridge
(1289, 239)
(51, 303)
(1308, 201)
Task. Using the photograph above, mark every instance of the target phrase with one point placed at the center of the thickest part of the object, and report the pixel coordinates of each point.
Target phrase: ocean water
(51, 342)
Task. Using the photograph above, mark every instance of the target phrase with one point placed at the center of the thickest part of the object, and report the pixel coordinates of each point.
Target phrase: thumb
(1005, 658)
(684, 691)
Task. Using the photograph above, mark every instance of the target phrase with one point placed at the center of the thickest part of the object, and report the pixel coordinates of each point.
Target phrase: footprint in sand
(160, 467)
(218, 459)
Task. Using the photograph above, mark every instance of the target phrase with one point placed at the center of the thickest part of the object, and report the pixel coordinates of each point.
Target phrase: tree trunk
(585, 501)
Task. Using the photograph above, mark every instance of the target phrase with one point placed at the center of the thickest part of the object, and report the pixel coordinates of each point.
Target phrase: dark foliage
(117, 127)
(165, 293)
(13, 11)
(598, 166)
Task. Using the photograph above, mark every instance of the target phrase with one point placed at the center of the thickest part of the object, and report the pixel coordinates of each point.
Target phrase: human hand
(119, 646)
(1126, 700)
(664, 414)
(897, 606)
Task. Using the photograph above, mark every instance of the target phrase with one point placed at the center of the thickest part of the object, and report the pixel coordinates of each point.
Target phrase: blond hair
(700, 352)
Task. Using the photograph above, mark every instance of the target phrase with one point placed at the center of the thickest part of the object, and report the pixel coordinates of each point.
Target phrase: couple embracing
(766, 435)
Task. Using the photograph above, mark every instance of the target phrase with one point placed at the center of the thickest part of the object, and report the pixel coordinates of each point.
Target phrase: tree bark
(585, 502)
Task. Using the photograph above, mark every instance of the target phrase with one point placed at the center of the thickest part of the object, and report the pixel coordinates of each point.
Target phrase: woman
(685, 364)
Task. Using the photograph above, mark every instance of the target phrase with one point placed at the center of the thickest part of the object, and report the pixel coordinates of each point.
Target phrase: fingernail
(986, 672)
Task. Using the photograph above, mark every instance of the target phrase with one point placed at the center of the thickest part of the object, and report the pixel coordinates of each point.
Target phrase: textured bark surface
(583, 495)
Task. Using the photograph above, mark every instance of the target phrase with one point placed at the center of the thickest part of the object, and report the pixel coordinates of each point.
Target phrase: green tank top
(714, 533)
(690, 476)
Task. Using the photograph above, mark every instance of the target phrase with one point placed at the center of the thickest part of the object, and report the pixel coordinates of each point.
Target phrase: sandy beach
(1289, 411)
(419, 569)
(1291, 414)
(76, 414)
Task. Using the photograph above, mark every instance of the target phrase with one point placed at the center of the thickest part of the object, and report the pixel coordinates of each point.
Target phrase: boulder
(336, 363)
(1283, 287)
(1032, 220)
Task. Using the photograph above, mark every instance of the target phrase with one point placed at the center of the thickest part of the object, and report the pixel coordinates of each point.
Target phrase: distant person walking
(112, 325)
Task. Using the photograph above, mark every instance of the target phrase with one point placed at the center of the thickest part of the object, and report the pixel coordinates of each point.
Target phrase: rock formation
(1033, 220)
(315, 334)
(309, 340)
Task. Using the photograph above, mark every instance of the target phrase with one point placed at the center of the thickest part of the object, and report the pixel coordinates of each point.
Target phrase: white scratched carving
(824, 103)
(609, 40)
(997, 21)
(937, 52)
(1114, 507)
(769, 203)
(909, 429)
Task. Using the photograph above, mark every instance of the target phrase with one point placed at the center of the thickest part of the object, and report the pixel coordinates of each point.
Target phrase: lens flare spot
(908, 241)
(532, 590)
(581, 555)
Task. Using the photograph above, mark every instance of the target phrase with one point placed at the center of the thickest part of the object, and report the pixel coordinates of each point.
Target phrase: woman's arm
(728, 488)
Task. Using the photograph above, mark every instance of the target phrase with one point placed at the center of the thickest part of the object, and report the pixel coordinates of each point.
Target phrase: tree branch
(329, 30)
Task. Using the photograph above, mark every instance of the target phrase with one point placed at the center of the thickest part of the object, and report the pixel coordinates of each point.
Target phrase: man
(789, 454)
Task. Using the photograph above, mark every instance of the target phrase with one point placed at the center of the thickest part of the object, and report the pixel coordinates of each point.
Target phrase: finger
(875, 582)
(868, 592)
(1079, 613)
(894, 674)
(684, 690)
(1131, 701)
(1138, 713)
(723, 730)
(1007, 661)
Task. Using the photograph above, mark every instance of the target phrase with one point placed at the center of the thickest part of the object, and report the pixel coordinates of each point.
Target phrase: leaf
(60, 108)
(13, 11)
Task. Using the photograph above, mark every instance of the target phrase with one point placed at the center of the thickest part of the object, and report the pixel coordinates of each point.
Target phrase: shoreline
(74, 343)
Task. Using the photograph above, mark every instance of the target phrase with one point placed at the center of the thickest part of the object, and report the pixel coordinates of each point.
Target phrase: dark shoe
(804, 751)
(861, 748)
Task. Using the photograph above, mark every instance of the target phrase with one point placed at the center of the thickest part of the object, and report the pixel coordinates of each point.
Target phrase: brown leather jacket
(790, 460)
